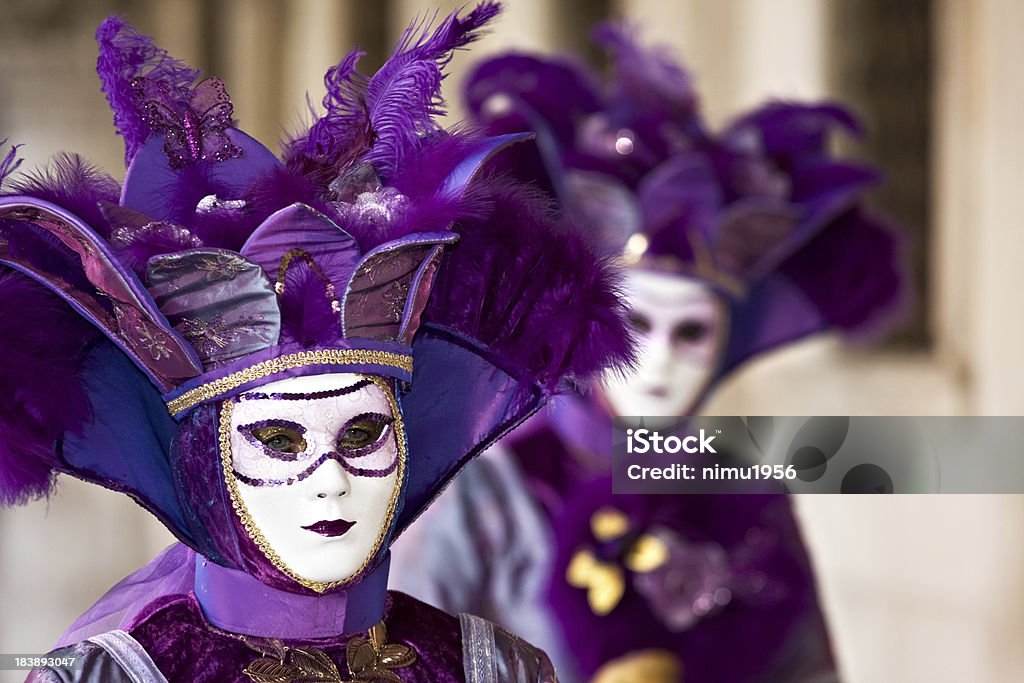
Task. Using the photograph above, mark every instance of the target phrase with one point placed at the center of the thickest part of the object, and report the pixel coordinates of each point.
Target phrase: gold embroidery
(219, 387)
(254, 531)
(372, 658)
(298, 664)
(369, 659)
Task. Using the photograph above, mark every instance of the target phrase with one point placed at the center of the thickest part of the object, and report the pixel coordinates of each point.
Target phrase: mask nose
(330, 480)
(656, 358)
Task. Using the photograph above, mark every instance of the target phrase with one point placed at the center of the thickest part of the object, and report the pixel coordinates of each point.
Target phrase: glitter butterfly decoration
(193, 121)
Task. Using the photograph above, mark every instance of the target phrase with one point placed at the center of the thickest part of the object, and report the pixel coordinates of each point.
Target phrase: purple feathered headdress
(762, 211)
(374, 244)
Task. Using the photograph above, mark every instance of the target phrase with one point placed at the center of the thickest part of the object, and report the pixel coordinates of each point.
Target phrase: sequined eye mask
(280, 451)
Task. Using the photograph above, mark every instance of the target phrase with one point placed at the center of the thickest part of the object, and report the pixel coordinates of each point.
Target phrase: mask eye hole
(690, 332)
(638, 322)
(363, 431)
(280, 438)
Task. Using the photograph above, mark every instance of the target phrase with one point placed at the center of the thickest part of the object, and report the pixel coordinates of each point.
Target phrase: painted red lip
(334, 527)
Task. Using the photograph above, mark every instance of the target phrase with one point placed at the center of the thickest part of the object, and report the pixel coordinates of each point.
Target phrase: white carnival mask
(681, 325)
(315, 469)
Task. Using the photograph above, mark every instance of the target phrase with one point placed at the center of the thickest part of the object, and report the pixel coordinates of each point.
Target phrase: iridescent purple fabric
(172, 572)
(109, 295)
(222, 304)
(237, 602)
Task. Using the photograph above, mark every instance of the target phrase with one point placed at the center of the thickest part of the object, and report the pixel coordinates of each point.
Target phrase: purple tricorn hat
(762, 211)
(374, 245)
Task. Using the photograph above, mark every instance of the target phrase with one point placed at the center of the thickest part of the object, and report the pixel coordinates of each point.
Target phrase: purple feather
(10, 163)
(384, 118)
(648, 73)
(125, 55)
(404, 95)
(792, 133)
(306, 315)
(41, 344)
(73, 183)
(533, 291)
(342, 133)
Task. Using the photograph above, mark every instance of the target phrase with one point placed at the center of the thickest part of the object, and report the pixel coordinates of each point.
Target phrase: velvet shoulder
(187, 648)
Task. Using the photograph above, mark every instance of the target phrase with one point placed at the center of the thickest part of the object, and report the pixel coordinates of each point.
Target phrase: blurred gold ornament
(608, 524)
(603, 581)
(643, 666)
(647, 554)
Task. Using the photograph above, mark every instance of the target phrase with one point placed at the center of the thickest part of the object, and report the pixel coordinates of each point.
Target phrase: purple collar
(235, 601)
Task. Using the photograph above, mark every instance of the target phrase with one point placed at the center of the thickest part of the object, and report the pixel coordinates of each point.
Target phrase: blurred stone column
(316, 36)
(740, 51)
(981, 107)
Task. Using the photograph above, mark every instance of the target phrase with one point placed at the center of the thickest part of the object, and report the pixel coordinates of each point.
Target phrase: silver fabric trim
(130, 655)
(478, 649)
(491, 654)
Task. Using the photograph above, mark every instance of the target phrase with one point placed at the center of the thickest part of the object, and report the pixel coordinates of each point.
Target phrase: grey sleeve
(439, 559)
(111, 657)
(493, 655)
(93, 664)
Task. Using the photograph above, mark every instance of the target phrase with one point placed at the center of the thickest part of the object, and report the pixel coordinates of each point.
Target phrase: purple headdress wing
(840, 266)
(57, 249)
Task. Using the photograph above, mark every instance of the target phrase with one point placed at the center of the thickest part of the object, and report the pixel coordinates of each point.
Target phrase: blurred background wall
(917, 588)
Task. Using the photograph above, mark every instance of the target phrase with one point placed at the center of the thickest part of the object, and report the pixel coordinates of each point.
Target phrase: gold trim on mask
(218, 387)
(253, 530)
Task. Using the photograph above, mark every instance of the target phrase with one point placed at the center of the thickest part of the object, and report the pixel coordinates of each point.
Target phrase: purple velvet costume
(374, 246)
(766, 217)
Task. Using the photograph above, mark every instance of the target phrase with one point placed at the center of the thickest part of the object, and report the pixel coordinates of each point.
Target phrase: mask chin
(314, 467)
(682, 327)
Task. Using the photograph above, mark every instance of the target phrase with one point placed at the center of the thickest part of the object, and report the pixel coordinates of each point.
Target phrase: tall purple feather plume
(41, 344)
(404, 95)
(384, 118)
(125, 54)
